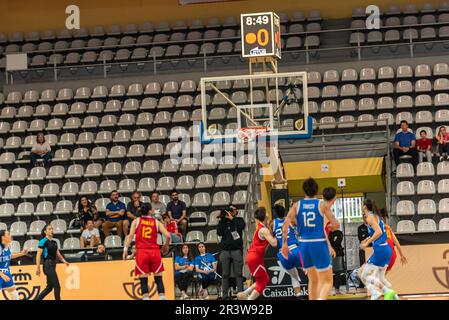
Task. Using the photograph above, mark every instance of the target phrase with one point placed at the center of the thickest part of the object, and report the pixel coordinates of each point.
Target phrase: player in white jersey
(6, 280)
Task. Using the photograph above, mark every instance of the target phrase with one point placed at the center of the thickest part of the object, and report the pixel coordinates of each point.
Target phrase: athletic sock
(249, 290)
(161, 296)
(254, 295)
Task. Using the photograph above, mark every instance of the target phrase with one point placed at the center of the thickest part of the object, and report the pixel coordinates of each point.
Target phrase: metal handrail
(206, 57)
(236, 38)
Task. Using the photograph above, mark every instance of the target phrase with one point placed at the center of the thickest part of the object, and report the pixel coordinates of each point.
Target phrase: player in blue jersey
(293, 261)
(6, 280)
(308, 216)
(373, 272)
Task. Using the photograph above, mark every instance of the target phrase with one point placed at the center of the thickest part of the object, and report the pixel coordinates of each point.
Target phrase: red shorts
(392, 260)
(148, 261)
(255, 263)
(258, 271)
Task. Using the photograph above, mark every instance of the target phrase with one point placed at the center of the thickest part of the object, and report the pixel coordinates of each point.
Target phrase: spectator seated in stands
(184, 270)
(424, 146)
(177, 210)
(158, 207)
(40, 150)
(206, 268)
(115, 213)
(99, 254)
(405, 144)
(90, 237)
(133, 211)
(443, 143)
(87, 212)
(172, 227)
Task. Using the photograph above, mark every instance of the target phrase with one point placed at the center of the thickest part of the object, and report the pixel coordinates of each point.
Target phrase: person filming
(230, 229)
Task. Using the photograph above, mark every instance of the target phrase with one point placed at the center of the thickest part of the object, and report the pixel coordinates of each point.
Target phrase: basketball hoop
(245, 135)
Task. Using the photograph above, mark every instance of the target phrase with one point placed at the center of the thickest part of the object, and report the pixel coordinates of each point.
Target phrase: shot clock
(261, 35)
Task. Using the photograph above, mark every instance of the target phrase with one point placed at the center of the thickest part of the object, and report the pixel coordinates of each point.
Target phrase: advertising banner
(106, 280)
(427, 270)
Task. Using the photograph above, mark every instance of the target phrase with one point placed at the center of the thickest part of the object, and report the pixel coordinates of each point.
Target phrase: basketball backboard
(275, 101)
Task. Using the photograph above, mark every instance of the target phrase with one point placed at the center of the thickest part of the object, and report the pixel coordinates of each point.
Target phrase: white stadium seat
(405, 208)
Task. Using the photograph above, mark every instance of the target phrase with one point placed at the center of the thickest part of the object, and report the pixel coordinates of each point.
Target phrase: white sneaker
(376, 296)
(242, 296)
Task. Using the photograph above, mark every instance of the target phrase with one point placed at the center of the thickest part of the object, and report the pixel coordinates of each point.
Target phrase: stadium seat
(146, 185)
(194, 236)
(201, 200)
(107, 186)
(212, 236)
(12, 192)
(405, 226)
(36, 228)
(198, 219)
(31, 191)
(443, 186)
(112, 242)
(25, 209)
(224, 180)
(405, 208)
(443, 225)
(405, 188)
(18, 229)
(426, 187)
(6, 210)
(59, 226)
(427, 206)
(64, 207)
(74, 171)
(71, 244)
(44, 208)
(31, 245)
(425, 169)
(427, 225)
(405, 170)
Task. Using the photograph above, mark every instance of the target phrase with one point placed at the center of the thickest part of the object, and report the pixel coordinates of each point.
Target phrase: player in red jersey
(148, 256)
(255, 256)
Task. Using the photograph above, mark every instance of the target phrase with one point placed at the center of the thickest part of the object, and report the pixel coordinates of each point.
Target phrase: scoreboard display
(261, 35)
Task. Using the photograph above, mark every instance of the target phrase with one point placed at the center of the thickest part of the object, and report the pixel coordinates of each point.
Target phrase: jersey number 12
(146, 232)
(309, 219)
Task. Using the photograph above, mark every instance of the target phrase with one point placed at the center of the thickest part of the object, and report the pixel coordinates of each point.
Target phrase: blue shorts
(381, 256)
(315, 254)
(4, 284)
(293, 260)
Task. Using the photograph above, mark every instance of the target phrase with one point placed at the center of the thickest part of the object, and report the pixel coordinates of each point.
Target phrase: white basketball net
(245, 135)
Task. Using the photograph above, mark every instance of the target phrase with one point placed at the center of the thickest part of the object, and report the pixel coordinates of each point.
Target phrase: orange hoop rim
(247, 134)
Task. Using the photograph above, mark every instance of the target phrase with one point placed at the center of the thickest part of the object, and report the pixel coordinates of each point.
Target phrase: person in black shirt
(336, 239)
(87, 212)
(48, 250)
(133, 211)
(362, 234)
(230, 229)
(177, 210)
